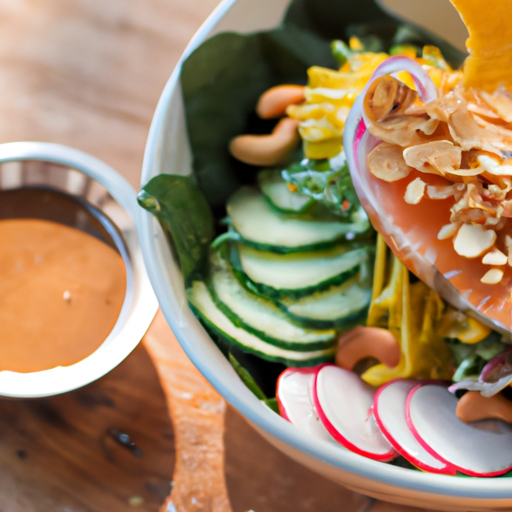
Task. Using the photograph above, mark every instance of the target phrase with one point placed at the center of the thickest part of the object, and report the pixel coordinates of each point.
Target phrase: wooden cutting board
(88, 73)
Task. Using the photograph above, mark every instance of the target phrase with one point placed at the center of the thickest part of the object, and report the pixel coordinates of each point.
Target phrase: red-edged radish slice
(294, 397)
(343, 403)
(389, 411)
(480, 449)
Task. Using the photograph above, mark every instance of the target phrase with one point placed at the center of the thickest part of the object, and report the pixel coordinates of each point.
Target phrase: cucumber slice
(203, 306)
(277, 191)
(300, 274)
(265, 228)
(259, 316)
(340, 306)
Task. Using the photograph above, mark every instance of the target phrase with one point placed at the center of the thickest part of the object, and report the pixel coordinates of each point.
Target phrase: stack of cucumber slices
(287, 276)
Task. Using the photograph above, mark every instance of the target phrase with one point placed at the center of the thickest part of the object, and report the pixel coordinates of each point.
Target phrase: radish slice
(294, 397)
(343, 403)
(389, 411)
(483, 448)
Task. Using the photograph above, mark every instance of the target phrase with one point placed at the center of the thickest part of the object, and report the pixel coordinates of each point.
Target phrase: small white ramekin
(86, 178)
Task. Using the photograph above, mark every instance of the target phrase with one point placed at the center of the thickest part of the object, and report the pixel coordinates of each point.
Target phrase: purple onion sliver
(361, 129)
(487, 389)
(426, 88)
(470, 385)
(498, 367)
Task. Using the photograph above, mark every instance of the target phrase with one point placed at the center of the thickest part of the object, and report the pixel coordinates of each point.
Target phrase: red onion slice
(487, 389)
(498, 367)
(425, 86)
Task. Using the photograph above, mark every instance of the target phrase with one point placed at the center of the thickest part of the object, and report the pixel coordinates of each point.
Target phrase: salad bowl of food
(259, 244)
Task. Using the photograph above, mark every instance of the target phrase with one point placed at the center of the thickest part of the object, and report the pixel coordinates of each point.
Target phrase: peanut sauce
(61, 288)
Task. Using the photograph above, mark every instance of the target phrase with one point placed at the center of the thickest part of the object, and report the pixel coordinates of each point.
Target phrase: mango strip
(330, 94)
(489, 43)
(411, 312)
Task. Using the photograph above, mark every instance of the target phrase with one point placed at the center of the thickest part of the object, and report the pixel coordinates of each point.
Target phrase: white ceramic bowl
(86, 178)
(168, 148)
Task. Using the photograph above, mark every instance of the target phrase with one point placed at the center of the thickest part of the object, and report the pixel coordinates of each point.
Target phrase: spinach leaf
(246, 378)
(330, 18)
(221, 83)
(271, 403)
(378, 30)
(184, 215)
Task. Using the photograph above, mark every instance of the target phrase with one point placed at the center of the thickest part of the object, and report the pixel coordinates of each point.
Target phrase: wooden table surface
(88, 73)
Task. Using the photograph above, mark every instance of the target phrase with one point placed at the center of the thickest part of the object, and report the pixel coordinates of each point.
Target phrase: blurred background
(439, 16)
(88, 73)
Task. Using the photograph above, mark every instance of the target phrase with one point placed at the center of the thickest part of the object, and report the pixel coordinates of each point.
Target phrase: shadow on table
(261, 478)
(71, 453)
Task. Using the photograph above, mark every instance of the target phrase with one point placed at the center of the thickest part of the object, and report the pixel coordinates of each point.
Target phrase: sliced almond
(445, 191)
(465, 173)
(447, 231)
(387, 163)
(387, 96)
(495, 257)
(493, 166)
(481, 111)
(415, 191)
(508, 243)
(435, 157)
(500, 102)
(472, 240)
(493, 276)
(403, 130)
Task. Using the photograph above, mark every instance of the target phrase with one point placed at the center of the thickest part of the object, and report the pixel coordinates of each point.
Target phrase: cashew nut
(475, 407)
(273, 102)
(265, 150)
(362, 342)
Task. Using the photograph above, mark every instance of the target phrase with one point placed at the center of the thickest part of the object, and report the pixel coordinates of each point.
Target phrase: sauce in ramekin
(61, 288)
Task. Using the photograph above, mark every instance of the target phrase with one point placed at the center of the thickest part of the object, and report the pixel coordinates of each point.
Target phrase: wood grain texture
(88, 73)
(61, 453)
(197, 412)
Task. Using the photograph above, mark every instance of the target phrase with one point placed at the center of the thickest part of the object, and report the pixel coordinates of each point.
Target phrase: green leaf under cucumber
(278, 193)
(184, 215)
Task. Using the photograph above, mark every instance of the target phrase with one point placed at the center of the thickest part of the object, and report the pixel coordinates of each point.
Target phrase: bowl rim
(489, 489)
